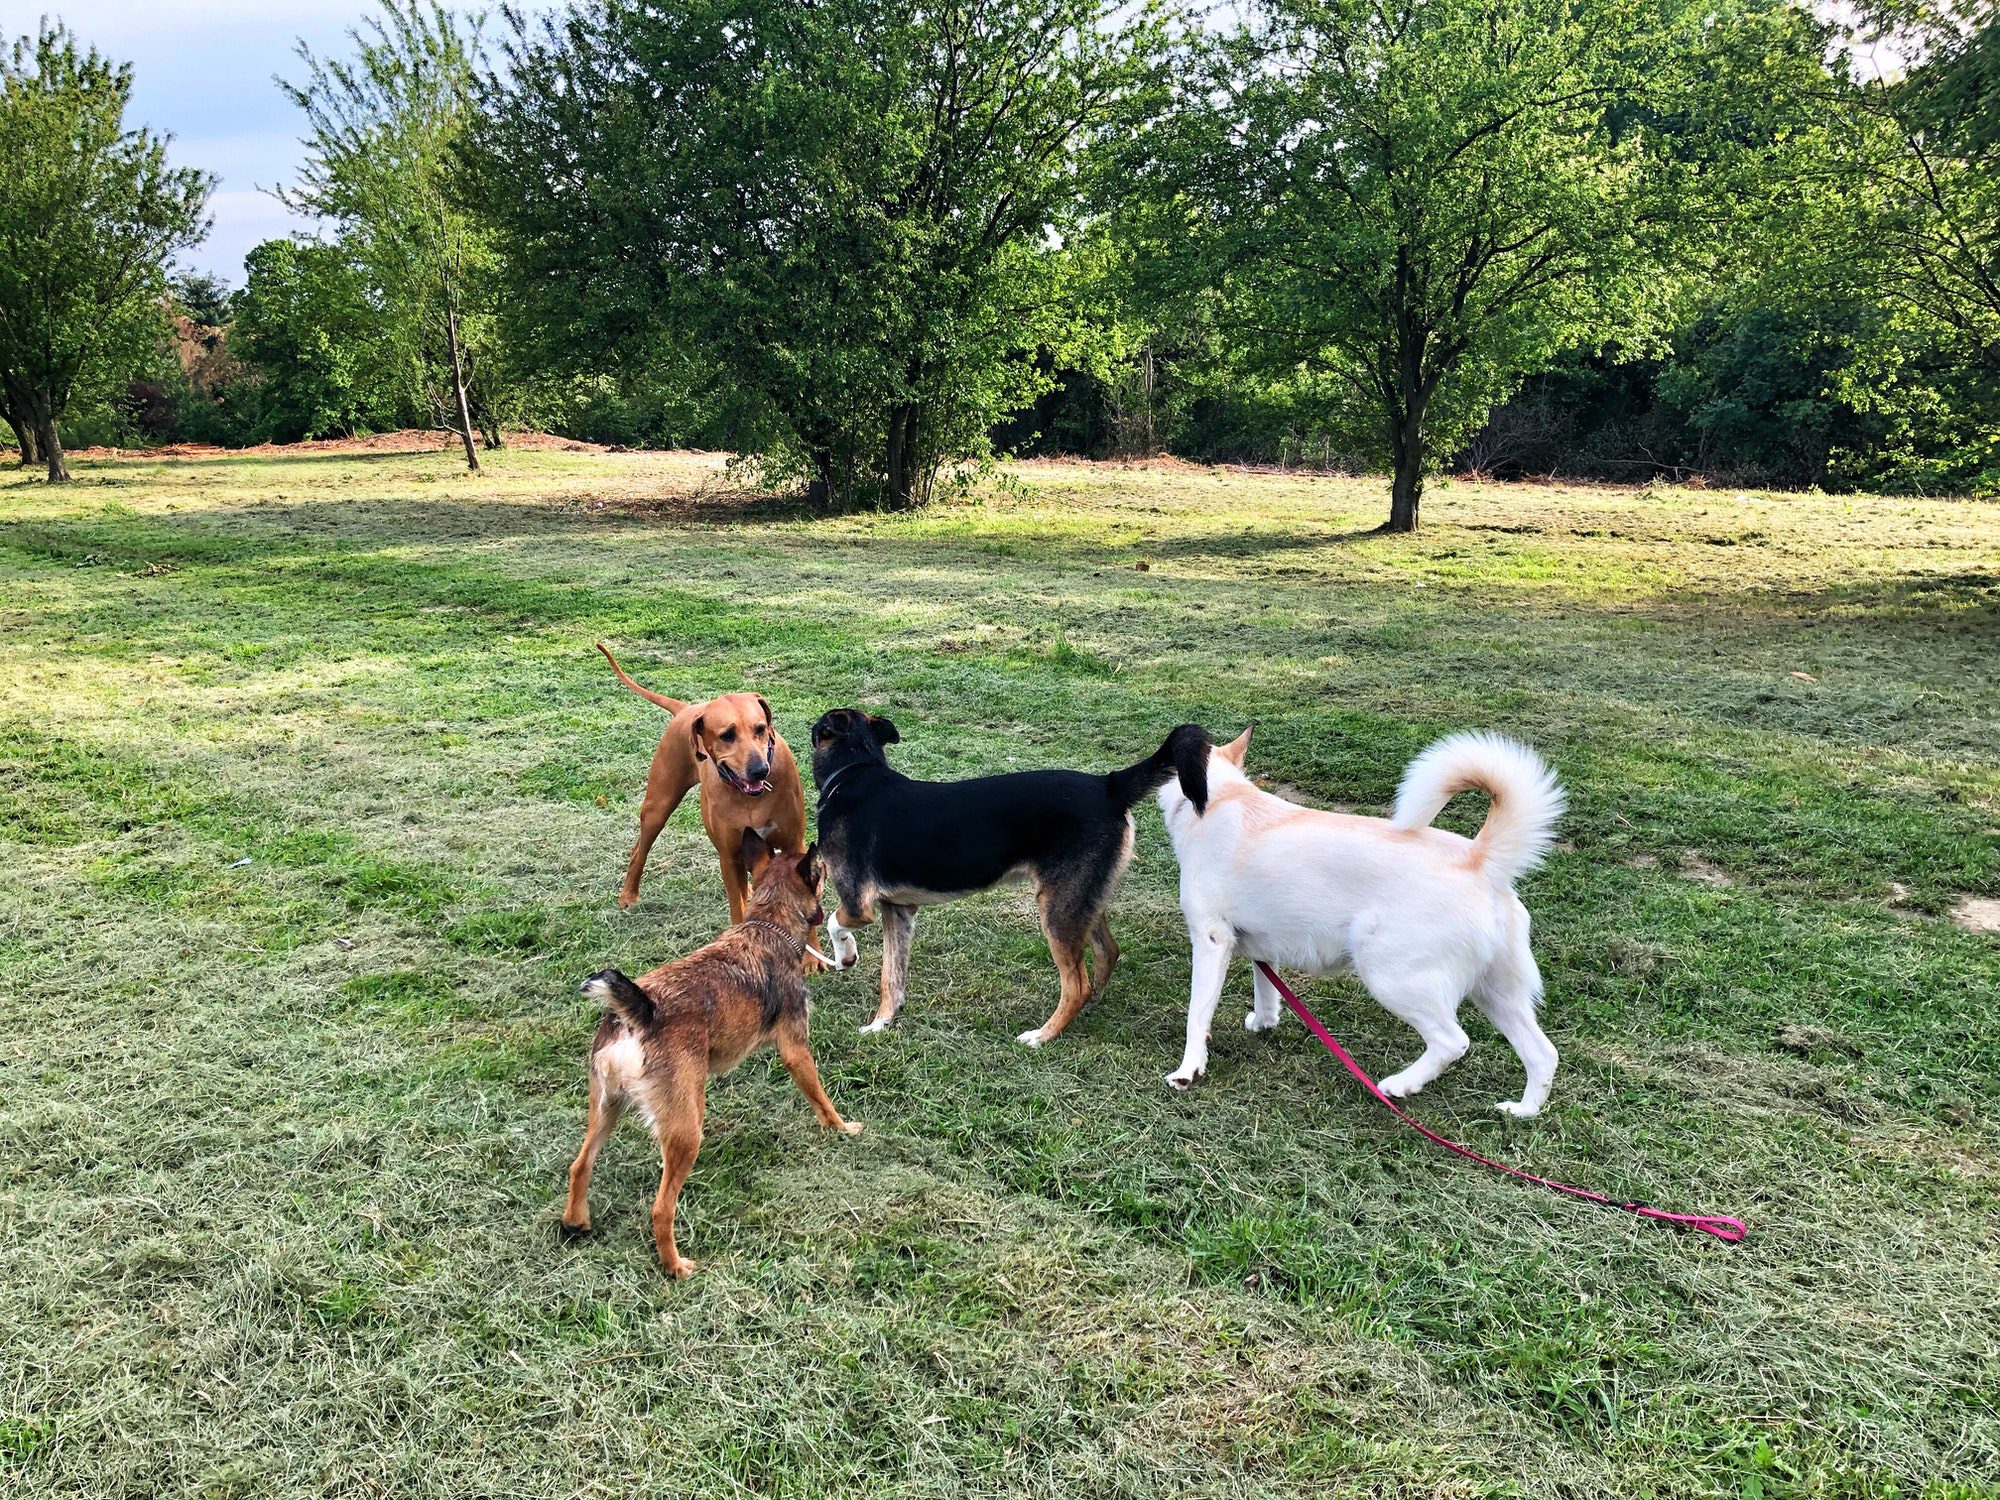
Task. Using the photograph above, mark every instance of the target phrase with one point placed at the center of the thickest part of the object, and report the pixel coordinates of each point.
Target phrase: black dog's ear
(830, 726)
(694, 737)
(885, 731)
(755, 852)
(1189, 746)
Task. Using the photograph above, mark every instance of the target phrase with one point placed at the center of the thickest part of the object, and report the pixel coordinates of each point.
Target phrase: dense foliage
(868, 243)
(90, 212)
(851, 213)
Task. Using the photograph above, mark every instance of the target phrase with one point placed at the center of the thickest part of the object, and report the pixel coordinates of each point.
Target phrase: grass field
(313, 803)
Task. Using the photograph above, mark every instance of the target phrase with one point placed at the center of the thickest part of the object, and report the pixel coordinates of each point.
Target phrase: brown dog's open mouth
(755, 788)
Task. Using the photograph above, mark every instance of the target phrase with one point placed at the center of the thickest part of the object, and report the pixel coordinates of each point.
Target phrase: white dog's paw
(1252, 1022)
(1033, 1038)
(880, 1023)
(1399, 1085)
(1516, 1109)
(1184, 1077)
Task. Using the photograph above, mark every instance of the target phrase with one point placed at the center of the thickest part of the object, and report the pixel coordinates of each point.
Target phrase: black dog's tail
(1183, 754)
(628, 1002)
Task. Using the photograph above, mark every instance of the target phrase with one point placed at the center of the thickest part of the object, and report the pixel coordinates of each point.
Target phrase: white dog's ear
(1233, 751)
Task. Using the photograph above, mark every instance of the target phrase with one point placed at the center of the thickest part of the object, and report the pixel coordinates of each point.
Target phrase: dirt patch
(1977, 914)
(1806, 1040)
(1694, 867)
(405, 440)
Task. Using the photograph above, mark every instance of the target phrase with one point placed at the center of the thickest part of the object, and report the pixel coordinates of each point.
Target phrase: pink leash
(1728, 1230)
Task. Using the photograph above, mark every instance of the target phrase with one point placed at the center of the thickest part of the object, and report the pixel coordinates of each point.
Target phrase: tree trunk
(465, 428)
(1406, 491)
(902, 461)
(1406, 450)
(819, 488)
(51, 446)
(24, 439)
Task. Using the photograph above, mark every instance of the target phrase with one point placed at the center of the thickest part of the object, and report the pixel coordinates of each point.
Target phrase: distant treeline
(872, 243)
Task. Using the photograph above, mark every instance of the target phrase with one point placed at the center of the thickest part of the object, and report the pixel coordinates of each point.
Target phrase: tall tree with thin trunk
(1417, 203)
(382, 131)
(90, 216)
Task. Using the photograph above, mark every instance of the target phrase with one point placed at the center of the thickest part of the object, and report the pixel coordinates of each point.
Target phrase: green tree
(90, 214)
(1413, 204)
(304, 323)
(381, 135)
(854, 211)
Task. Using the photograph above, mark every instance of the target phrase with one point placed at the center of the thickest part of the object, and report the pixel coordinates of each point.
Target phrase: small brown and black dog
(749, 782)
(668, 1032)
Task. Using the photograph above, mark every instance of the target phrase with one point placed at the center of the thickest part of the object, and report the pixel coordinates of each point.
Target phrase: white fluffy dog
(1421, 916)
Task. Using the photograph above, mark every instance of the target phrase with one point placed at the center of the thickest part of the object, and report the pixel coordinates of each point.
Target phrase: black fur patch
(1190, 746)
(628, 1002)
(882, 829)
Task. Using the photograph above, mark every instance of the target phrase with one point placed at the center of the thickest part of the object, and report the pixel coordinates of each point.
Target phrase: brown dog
(749, 782)
(670, 1031)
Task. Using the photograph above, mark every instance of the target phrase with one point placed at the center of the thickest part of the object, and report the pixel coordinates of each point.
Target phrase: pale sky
(202, 73)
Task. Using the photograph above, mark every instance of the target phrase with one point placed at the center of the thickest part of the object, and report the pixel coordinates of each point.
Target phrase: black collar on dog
(833, 781)
(798, 948)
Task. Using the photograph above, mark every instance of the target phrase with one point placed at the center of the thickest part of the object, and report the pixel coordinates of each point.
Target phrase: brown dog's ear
(810, 872)
(885, 731)
(695, 736)
(755, 853)
(769, 722)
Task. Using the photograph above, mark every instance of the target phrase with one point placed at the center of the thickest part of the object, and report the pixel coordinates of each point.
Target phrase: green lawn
(313, 804)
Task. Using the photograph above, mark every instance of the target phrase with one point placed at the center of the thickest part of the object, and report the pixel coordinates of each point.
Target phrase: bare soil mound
(406, 440)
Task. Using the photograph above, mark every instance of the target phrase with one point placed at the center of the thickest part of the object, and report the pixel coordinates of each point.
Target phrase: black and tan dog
(668, 1032)
(894, 844)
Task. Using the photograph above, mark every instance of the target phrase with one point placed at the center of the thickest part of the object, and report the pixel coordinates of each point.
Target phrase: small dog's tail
(627, 1001)
(1183, 753)
(671, 705)
(1527, 801)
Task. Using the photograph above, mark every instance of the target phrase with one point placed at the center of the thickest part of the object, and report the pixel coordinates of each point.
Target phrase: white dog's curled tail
(1527, 800)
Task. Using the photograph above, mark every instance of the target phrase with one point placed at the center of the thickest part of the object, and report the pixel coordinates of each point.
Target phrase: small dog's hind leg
(1213, 948)
(1263, 1014)
(680, 1143)
(899, 925)
(605, 1108)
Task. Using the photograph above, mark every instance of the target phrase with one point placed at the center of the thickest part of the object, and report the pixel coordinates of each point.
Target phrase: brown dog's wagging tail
(614, 989)
(671, 705)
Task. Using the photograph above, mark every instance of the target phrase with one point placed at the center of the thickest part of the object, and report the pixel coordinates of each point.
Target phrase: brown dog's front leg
(735, 881)
(668, 782)
(798, 1060)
